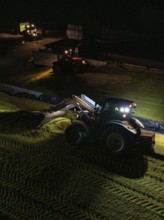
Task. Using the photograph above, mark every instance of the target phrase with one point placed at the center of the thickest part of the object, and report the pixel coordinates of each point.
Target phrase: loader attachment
(75, 101)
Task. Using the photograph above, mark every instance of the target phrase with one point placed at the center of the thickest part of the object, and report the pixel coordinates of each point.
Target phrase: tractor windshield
(116, 110)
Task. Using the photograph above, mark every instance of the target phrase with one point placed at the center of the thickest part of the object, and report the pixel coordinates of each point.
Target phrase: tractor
(70, 65)
(110, 124)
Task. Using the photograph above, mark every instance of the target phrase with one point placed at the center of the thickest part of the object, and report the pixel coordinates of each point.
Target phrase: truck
(29, 31)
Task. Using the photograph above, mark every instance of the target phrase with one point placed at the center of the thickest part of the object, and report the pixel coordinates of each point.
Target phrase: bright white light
(121, 109)
(126, 109)
(84, 62)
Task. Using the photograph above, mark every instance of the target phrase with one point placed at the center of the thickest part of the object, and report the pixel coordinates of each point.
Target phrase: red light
(76, 58)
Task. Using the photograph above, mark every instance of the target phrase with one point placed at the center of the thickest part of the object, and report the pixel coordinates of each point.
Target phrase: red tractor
(70, 65)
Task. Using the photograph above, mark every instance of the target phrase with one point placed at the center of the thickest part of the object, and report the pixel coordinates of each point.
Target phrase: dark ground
(149, 48)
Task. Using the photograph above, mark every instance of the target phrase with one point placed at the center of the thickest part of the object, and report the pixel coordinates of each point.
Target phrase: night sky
(114, 14)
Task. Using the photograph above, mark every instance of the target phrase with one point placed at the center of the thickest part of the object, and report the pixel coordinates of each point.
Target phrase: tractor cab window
(109, 111)
(110, 107)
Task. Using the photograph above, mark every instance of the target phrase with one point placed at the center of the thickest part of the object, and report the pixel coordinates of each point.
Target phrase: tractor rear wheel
(116, 140)
(77, 133)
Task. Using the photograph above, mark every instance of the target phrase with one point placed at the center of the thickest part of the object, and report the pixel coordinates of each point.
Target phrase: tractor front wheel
(77, 133)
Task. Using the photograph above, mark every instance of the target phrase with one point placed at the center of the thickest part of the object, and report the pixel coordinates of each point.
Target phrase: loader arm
(74, 101)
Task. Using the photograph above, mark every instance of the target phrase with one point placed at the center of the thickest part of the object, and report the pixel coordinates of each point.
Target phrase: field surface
(43, 177)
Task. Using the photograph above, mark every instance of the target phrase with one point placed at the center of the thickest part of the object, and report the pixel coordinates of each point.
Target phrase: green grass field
(43, 177)
(144, 86)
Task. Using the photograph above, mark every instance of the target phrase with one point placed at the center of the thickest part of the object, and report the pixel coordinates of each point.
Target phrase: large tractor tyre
(116, 140)
(57, 69)
(77, 133)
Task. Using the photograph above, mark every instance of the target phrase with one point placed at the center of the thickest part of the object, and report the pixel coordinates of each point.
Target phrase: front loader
(111, 124)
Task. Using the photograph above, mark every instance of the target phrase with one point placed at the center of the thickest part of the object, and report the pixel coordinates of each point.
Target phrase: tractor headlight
(127, 110)
(134, 105)
(124, 109)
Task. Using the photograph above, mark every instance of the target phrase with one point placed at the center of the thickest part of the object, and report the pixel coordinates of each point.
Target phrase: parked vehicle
(70, 65)
(30, 32)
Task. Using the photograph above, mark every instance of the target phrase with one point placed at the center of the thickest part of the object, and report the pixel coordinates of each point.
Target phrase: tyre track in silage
(155, 185)
(14, 179)
(82, 170)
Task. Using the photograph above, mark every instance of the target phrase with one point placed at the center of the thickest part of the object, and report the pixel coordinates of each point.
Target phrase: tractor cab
(117, 109)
